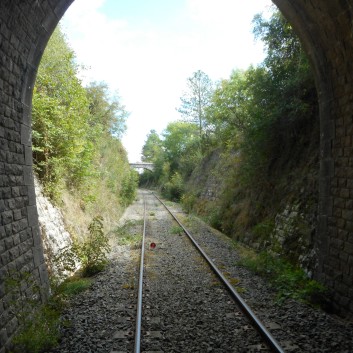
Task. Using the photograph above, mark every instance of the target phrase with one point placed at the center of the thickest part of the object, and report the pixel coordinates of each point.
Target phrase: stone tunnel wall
(25, 27)
(325, 28)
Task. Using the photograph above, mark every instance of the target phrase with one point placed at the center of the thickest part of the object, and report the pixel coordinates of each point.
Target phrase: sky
(146, 49)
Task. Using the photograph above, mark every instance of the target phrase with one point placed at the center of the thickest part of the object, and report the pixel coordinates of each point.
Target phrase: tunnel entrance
(325, 30)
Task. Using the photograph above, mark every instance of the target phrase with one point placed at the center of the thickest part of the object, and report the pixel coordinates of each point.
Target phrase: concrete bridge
(144, 165)
(325, 29)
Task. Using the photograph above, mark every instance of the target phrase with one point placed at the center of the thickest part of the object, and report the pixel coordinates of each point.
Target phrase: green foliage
(228, 114)
(126, 234)
(38, 324)
(114, 171)
(107, 114)
(283, 98)
(76, 133)
(290, 281)
(128, 187)
(73, 286)
(264, 122)
(180, 144)
(174, 159)
(61, 134)
(39, 329)
(65, 262)
(93, 251)
(40, 333)
(173, 189)
(152, 147)
(263, 230)
(260, 113)
(130, 239)
(176, 230)
(213, 215)
(90, 253)
(188, 201)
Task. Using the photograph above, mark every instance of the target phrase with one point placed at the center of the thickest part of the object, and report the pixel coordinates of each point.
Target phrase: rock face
(281, 218)
(55, 236)
(293, 234)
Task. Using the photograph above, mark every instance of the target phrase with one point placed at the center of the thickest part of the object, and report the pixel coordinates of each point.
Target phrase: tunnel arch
(326, 31)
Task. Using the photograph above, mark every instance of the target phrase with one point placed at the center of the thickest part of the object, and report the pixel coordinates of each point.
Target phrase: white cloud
(149, 65)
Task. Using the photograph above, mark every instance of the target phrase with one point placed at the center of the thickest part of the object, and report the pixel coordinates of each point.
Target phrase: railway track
(231, 326)
(184, 306)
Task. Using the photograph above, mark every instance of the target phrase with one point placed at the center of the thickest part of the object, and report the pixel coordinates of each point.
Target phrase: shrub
(90, 253)
(93, 251)
(174, 188)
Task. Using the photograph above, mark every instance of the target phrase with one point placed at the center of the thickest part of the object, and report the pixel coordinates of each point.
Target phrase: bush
(92, 252)
(173, 189)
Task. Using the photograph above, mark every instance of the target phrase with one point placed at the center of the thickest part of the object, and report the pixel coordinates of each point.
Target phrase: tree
(107, 113)
(61, 143)
(196, 99)
(152, 147)
(179, 141)
(282, 98)
(174, 156)
(227, 116)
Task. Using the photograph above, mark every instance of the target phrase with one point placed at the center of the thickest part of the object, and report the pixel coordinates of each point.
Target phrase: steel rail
(137, 347)
(270, 340)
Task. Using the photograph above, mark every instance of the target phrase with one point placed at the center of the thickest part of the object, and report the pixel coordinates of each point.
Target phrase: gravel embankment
(185, 308)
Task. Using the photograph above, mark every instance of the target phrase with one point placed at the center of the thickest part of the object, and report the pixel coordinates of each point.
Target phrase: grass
(74, 286)
(125, 233)
(39, 334)
(130, 239)
(176, 230)
(289, 281)
(40, 331)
